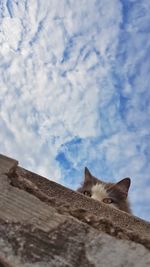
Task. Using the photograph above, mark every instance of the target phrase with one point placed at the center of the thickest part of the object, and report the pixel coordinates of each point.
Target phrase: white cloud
(76, 70)
(10, 34)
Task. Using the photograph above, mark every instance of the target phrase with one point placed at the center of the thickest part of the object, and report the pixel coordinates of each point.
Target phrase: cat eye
(87, 193)
(107, 200)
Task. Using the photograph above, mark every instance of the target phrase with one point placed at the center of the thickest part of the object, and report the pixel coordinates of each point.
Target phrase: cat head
(114, 194)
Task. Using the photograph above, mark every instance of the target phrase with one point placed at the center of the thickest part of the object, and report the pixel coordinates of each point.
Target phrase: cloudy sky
(74, 90)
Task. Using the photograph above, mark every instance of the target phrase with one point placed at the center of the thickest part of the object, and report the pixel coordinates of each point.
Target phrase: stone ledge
(33, 211)
(7, 164)
(58, 196)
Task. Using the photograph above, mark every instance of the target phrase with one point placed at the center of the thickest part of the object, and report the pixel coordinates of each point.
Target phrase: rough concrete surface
(45, 224)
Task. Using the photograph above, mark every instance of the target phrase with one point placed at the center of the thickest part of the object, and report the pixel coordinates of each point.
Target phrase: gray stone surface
(7, 164)
(70, 243)
(45, 224)
(106, 251)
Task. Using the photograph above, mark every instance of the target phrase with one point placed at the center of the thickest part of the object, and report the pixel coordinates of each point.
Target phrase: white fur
(99, 192)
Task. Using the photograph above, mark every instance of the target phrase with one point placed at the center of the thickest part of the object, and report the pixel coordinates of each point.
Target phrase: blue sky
(74, 90)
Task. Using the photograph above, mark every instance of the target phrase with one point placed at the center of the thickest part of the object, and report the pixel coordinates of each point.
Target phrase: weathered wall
(45, 224)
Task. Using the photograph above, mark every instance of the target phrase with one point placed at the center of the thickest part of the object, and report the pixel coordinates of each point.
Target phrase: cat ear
(87, 174)
(124, 185)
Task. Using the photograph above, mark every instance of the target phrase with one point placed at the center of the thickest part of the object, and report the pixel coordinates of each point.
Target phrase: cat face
(113, 194)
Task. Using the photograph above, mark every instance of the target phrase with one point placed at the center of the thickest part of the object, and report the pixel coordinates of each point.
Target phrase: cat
(113, 194)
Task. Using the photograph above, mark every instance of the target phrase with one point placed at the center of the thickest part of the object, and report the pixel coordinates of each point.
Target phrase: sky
(74, 90)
